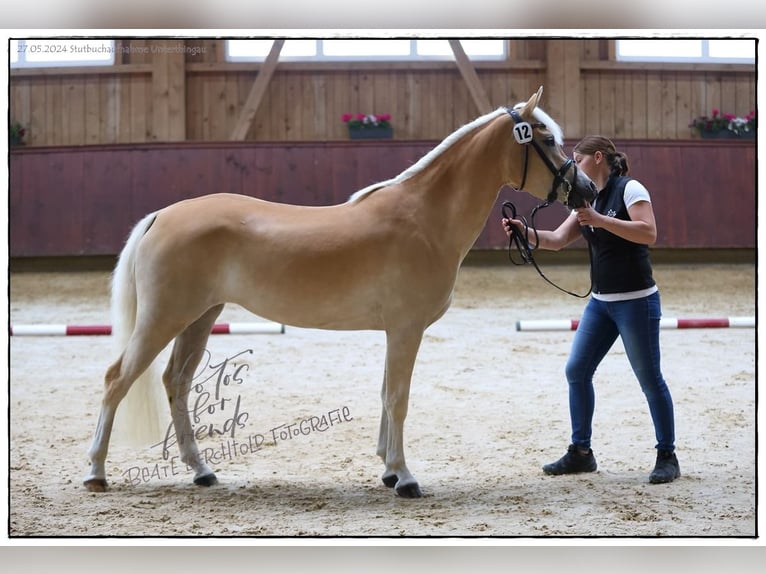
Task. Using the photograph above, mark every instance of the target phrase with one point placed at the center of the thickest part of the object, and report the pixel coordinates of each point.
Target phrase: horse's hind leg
(187, 352)
(135, 359)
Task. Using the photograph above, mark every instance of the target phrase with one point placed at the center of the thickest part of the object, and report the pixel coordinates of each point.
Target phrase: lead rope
(525, 248)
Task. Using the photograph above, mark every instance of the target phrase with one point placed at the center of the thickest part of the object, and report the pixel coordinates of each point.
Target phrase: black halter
(523, 132)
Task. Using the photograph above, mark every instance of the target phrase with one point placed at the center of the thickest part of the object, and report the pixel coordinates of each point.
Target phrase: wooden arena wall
(106, 144)
(84, 200)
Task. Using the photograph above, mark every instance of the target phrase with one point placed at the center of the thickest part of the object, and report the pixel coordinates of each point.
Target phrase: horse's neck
(463, 186)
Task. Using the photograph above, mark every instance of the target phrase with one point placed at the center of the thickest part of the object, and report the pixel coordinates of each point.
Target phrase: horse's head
(548, 174)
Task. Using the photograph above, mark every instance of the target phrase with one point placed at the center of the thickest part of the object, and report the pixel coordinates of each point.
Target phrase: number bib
(522, 132)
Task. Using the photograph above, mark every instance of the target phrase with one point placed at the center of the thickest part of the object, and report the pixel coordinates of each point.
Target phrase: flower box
(368, 126)
(377, 133)
(727, 134)
(726, 126)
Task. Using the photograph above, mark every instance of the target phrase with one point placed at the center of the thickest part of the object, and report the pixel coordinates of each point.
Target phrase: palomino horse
(387, 259)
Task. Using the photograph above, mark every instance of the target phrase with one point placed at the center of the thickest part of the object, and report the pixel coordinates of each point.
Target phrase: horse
(387, 259)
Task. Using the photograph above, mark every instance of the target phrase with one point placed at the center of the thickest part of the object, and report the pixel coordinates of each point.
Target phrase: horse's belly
(312, 306)
(336, 304)
(314, 315)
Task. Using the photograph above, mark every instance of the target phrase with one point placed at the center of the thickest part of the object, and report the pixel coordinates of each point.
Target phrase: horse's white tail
(139, 417)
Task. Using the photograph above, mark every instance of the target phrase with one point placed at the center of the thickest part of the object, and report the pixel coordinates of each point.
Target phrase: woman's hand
(517, 223)
(589, 216)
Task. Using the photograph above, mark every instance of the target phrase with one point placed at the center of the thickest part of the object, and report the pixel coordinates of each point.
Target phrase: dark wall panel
(84, 200)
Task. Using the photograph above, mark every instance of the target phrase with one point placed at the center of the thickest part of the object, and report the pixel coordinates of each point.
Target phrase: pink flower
(715, 112)
(359, 121)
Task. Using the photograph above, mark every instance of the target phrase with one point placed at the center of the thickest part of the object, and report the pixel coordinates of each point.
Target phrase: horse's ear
(533, 102)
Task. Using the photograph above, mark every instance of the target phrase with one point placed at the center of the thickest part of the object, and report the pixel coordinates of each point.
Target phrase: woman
(619, 228)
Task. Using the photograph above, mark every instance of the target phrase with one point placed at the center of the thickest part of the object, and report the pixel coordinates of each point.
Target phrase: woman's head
(603, 153)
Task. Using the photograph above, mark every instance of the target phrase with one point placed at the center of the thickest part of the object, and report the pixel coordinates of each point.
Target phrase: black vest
(617, 265)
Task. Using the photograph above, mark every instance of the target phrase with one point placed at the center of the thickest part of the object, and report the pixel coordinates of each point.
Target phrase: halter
(523, 132)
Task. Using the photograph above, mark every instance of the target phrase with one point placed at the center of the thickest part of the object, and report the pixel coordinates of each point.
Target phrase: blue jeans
(637, 322)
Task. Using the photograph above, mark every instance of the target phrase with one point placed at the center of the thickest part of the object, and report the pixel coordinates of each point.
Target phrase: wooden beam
(247, 115)
(471, 78)
(168, 91)
(358, 66)
(115, 70)
(563, 85)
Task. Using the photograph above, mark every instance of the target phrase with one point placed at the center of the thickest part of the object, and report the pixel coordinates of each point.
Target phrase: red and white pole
(665, 323)
(42, 330)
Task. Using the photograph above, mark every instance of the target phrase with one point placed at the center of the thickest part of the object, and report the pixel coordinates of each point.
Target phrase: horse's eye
(549, 141)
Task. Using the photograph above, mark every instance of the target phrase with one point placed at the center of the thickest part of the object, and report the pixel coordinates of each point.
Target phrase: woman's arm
(640, 229)
(553, 240)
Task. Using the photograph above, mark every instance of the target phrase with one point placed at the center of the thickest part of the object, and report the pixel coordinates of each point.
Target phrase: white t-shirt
(634, 192)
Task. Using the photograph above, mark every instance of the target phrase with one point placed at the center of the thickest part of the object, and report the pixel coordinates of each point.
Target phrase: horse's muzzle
(583, 191)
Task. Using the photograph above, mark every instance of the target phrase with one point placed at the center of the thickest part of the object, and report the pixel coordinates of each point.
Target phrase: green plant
(16, 134)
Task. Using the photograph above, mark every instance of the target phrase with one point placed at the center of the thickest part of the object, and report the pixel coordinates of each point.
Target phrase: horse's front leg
(402, 349)
(388, 479)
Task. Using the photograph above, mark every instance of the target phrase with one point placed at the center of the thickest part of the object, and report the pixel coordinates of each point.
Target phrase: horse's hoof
(95, 484)
(207, 480)
(390, 480)
(411, 490)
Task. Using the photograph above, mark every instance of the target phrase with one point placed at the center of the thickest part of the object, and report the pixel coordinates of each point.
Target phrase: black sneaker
(666, 468)
(572, 462)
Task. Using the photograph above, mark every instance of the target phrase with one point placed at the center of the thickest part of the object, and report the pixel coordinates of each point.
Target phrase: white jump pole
(41, 330)
(665, 323)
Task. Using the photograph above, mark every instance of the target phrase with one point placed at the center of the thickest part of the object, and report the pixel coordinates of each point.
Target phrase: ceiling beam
(471, 78)
(254, 99)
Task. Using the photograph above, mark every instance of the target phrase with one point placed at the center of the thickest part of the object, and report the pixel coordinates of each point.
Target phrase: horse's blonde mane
(427, 159)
